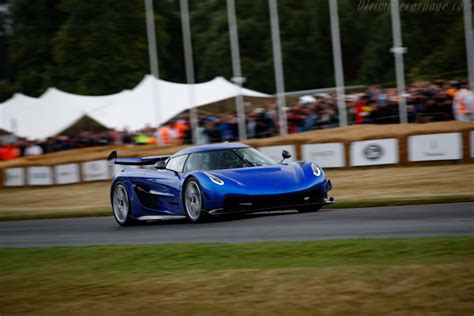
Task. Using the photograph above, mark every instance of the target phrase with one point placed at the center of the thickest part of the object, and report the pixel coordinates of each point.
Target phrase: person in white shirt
(33, 149)
(463, 104)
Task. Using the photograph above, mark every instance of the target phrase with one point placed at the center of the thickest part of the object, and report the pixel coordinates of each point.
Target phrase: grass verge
(363, 276)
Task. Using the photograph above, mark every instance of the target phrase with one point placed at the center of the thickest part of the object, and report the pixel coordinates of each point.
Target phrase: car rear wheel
(193, 203)
(121, 205)
(309, 208)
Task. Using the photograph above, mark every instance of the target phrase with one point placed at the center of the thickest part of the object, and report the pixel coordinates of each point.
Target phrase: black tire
(193, 201)
(121, 206)
(308, 209)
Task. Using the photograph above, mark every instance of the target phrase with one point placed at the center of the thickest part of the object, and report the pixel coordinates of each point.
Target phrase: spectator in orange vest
(180, 127)
(166, 135)
(9, 152)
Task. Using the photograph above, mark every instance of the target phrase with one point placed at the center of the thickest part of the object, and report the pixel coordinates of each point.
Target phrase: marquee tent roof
(55, 110)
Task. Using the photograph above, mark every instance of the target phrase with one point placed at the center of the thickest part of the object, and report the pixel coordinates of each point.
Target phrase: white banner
(374, 152)
(472, 144)
(68, 173)
(40, 176)
(14, 177)
(274, 152)
(435, 147)
(95, 170)
(329, 155)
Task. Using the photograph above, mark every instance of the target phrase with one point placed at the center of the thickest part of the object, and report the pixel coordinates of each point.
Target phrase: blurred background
(378, 92)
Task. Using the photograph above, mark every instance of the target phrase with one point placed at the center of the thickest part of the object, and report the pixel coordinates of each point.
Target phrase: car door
(165, 185)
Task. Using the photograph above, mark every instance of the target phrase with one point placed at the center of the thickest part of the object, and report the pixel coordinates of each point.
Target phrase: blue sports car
(214, 180)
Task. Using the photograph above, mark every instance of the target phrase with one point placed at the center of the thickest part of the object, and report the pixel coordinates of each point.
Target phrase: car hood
(282, 178)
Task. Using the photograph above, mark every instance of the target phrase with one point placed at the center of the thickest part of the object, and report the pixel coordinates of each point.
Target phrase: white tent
(52, 112)
(137, 108)
(55, 110)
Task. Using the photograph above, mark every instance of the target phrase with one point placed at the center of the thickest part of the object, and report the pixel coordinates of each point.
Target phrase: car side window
(197, 161)
(176, 163)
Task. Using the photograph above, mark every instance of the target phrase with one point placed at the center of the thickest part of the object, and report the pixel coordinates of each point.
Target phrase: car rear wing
(150, 160)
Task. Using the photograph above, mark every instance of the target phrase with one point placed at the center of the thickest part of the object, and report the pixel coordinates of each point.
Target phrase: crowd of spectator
(426, 102)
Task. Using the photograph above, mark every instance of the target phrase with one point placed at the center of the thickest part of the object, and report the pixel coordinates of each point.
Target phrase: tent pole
(237, 79)
(188, 56)
(337, 58)
(277, 62)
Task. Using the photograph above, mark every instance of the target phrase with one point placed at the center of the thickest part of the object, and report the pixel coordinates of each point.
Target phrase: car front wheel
(193, 203)
(121, 205)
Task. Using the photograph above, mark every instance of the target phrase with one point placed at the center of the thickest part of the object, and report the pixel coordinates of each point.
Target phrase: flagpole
(337, 59)
(398, 50)
(237, 79)
(188, 58)
(277, 62)
(153, 57)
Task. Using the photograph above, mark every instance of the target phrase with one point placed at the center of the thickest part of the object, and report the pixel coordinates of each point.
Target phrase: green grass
(106, 211)
(362, 276)
(146, 258)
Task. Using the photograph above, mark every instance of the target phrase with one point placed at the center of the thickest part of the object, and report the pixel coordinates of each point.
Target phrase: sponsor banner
(117, 168)
(95, 170)
(14, 177)
(40, 176)
(472, 144)
(68, 173)
(447, 146)
(274, 152)
(329, 155)
(374, 152)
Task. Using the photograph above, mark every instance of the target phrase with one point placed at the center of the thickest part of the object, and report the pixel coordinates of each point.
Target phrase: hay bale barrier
(346, 135)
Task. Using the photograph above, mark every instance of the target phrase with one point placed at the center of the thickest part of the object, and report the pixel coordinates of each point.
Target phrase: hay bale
(345, 135)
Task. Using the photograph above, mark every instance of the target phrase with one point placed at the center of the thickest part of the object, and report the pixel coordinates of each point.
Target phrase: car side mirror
(285, 154)
(160, 164)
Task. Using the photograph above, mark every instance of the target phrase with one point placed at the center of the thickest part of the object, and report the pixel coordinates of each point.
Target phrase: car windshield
(227, 159)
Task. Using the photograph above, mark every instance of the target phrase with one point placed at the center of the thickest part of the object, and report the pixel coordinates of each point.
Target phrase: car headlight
(215, 179)
(316, 170)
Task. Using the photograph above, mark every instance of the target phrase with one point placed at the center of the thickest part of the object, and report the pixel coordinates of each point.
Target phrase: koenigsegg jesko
(214, 180)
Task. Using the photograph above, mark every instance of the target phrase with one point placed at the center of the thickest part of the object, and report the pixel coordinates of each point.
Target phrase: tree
(29, 50)
(101, 46)
(6, 33)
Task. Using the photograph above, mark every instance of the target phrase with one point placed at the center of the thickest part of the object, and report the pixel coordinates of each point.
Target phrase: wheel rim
(193, 200)
(120, 203)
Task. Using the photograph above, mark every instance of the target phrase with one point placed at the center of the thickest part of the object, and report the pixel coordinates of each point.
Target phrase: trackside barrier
(40, 176)
(446, 146)
(329, 155)
(14, 177)
(472, 143)
(419, 148)
(95, 170)
(375, 152)
(67, 173)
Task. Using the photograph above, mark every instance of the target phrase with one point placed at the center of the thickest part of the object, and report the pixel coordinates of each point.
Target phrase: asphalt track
(376, 222)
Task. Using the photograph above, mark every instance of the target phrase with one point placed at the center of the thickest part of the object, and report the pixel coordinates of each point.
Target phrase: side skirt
(160, 217)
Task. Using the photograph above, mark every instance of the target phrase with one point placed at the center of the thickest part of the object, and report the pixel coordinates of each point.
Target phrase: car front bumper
(249, 204)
